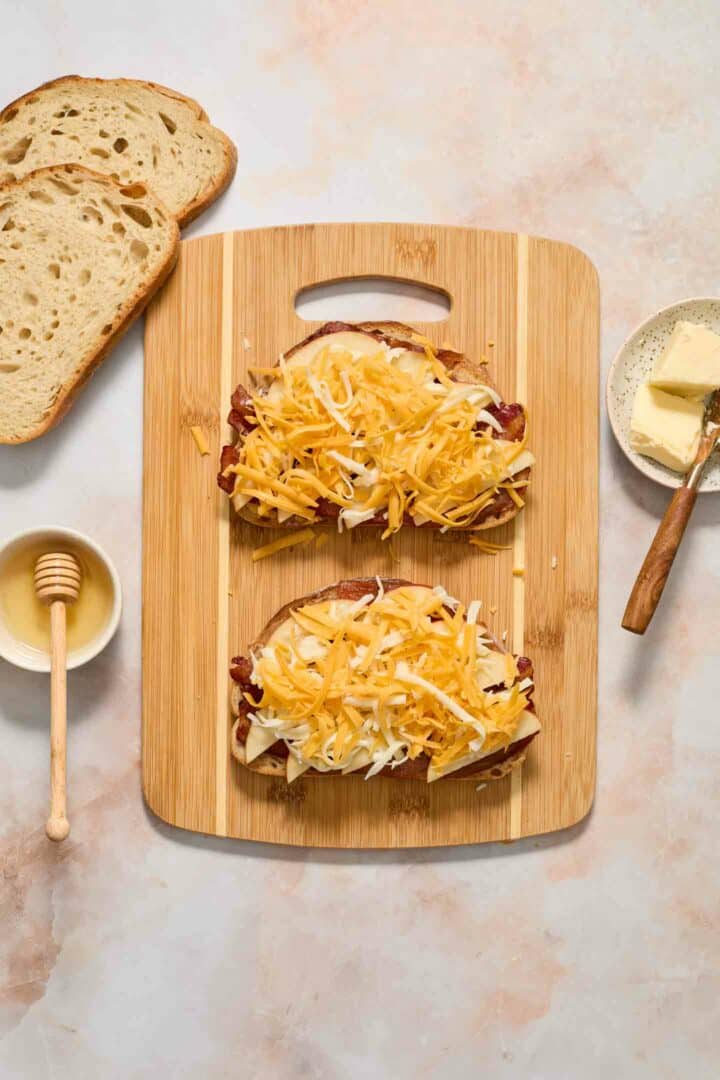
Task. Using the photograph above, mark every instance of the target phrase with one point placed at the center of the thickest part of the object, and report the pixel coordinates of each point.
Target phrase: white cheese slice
(665, 427)
(690, 363)
(358, 761)
(491, 669)
(295, 768)
(351, 518)
(524, 460)
(259, 740)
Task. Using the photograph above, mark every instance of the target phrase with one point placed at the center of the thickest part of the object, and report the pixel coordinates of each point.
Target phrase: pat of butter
(665, 427)
(690, 363)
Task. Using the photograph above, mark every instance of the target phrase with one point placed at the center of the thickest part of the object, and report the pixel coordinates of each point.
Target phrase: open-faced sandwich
(370, 424)
(383, 676)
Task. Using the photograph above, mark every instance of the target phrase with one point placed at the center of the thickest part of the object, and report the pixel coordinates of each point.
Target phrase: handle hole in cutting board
(380, 299)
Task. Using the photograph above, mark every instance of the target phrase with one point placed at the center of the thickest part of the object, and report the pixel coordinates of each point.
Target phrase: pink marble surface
(135, 951)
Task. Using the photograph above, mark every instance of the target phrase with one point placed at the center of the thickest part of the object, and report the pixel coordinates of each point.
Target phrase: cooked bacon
(230, 456)
(241, 670)
(243, 728)
(242, 411)
(357, 587)
(511, 418)
(525, 667)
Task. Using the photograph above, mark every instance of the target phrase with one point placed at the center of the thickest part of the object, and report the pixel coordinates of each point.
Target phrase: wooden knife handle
(654, 571)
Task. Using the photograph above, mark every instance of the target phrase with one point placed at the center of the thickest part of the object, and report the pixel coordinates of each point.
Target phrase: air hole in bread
(54, 324)
(120, 145)
(57, 131)
(9, 224)
(54, 269)
(133, 108)
(100, 152)
(25, 333)
(9, 115)
(107, 328)
(104, 134)
(85, 276)
(62, 185)
(169, 123)
(155, 155)
(134, 191)
(17, 153)
(90, 214)
(72, 297)
(138, 214)
(7, 367)
(48, 336)
(139, 250)
(119, 228)
(30, 298)
(42, 196)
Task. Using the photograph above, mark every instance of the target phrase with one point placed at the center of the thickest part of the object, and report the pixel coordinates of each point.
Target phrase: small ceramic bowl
(24, 655)
(632, 366)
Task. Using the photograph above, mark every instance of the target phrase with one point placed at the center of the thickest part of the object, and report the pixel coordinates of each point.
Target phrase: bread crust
(133, 307)
(462, 369)
(206, 198)
(494, 768)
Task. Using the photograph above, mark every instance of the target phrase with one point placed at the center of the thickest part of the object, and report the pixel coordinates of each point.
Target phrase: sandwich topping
(377, 681)
(354, 427)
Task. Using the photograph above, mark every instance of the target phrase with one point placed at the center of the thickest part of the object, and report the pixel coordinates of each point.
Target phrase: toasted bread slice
(80, 257)
(274, 761)
(392, 335)
(133, 131)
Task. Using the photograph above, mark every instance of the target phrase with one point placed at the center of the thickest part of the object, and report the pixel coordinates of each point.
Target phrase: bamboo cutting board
(230, 304)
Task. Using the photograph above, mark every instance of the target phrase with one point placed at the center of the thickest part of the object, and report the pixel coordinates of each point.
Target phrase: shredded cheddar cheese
(487, 547)
(381, 433)
(302, 537)
(200, 441)
(380, 680)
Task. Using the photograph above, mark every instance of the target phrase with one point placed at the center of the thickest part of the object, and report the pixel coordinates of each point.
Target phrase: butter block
(666, 427)
(690, 363)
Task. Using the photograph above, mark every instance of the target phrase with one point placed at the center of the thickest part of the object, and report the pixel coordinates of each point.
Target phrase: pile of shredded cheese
(374, 430)
(380, 680)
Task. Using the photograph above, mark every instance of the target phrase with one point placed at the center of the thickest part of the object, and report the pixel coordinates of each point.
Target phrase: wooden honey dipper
(57, 582)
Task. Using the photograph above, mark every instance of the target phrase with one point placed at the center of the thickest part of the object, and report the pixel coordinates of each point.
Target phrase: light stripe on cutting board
(221, 723)
(518, 589)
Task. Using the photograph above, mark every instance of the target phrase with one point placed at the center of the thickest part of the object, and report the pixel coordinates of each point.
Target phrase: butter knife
(655, 570)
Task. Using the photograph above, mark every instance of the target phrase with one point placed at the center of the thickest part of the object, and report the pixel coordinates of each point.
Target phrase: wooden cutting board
(230, 305)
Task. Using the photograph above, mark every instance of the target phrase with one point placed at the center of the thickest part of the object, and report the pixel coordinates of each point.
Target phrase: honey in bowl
(29, 621)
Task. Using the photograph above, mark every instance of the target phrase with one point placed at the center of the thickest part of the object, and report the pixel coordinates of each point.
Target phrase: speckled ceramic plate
(632, 366)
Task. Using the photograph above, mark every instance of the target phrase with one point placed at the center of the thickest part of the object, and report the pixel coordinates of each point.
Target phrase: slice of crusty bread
(133, 131)
(80, 256)
(494, 767)
(461, 369)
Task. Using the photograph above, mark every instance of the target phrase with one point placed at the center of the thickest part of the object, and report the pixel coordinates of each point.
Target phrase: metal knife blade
(708, 441)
